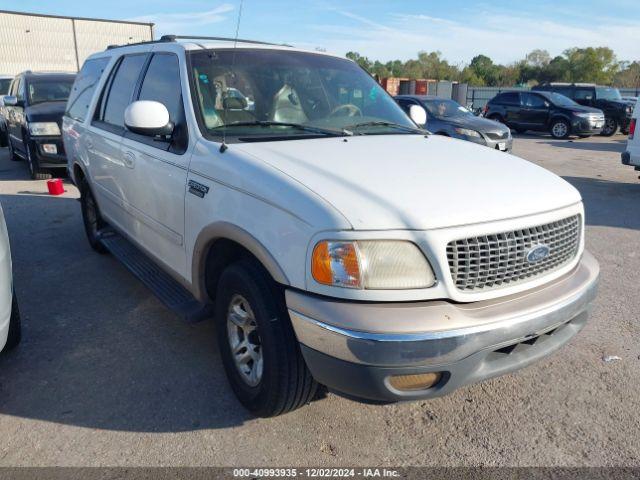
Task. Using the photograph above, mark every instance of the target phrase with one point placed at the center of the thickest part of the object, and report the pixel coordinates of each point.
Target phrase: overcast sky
(388, 29)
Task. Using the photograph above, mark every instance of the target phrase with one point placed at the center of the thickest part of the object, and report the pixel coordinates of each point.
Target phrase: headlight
(44, 128)
(371, 264)
(583, 115)
(466, 132)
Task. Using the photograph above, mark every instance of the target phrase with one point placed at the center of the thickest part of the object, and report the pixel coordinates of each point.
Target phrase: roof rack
(173, 38)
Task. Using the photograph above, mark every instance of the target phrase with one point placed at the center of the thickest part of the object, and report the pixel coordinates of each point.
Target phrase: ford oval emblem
(537, 253)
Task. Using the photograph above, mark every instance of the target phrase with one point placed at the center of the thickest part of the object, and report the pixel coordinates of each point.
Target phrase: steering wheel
(349, 109)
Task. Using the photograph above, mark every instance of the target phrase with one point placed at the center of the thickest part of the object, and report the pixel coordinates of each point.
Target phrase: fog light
(49, 148)
(419, 381)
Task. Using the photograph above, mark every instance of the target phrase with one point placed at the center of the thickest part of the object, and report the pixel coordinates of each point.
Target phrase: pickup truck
(335, 244)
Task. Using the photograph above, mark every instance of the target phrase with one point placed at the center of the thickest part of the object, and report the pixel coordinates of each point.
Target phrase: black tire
(624, 131)
(560, 129)
(3, 139)
(35, 171)
(15, 326)
(285, 383)
(610, 127)
(91, 218)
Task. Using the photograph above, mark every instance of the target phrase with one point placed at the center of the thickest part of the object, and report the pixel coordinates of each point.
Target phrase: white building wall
(31, 42)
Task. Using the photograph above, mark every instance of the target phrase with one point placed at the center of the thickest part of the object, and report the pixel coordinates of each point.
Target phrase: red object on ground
(55, 187)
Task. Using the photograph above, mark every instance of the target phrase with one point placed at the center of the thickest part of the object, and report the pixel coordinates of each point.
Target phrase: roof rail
(147, 42)
(173, 38)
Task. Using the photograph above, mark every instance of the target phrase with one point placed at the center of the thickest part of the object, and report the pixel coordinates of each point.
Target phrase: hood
(476, 123)
(46, 112)
(412, 182)
(583, 109)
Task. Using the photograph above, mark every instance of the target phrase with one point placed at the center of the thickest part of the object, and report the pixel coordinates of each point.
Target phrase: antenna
(224, 146)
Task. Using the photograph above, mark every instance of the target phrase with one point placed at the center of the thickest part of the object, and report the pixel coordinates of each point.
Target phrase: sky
(386, 29)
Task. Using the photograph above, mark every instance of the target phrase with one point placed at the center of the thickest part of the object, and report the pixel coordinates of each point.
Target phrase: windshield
(561, 100)
(445, 108)
(4, 85)
(607, 93)
(49, 90)
(273, 93)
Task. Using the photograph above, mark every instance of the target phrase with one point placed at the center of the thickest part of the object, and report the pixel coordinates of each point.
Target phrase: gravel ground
(107, 376)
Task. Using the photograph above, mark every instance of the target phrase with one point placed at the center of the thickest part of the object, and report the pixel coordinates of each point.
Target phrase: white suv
(334, 243)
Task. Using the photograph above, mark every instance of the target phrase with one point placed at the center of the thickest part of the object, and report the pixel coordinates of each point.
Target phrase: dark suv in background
(32, 113)
(544, 111)
(617, 112)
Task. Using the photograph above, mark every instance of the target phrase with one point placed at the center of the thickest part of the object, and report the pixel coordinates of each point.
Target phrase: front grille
(498, 135)
(492, 261)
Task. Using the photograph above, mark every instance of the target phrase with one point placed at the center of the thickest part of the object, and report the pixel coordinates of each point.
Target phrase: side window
(509, 98)
(19, 89)
(84, 87)
(532, 100)
(566, 91)
(584, 94)
(162, 84)
(117, 94)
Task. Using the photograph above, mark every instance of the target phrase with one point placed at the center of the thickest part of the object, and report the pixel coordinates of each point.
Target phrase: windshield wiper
(297, 126)
(355, 126)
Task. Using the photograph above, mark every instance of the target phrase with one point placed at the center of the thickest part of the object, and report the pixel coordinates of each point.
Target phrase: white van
(631, 155)
(286, 194)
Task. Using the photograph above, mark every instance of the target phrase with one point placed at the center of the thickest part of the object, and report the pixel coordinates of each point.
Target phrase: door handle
(129, 159)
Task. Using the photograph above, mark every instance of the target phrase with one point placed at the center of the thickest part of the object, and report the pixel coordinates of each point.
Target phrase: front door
(155, 173)
(535, 111)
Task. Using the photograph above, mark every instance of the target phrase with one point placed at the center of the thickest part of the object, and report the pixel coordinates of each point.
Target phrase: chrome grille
(497, 135)
(492, 261)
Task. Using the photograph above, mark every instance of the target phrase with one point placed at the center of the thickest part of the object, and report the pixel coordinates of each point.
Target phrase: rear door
(155, 173)
(511, 104)
(102, 142)
(535, 111)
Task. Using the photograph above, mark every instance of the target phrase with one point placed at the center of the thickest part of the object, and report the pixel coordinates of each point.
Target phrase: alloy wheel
(244, 340)
(609, 125)
(559, 130)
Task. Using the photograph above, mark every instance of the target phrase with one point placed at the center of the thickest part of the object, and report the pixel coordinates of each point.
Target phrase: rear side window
(119, 90)
(84, 87)
(584, 94)
(508, 98)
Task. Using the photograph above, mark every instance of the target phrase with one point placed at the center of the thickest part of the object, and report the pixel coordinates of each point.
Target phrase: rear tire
(15, 326)
(3, 139)
(560, 129)
(267, 372)
(91, 217)
(12, 154)
(34, 167)
(610, 127)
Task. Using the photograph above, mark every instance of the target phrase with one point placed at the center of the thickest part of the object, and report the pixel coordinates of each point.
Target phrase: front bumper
(48, 160)
(467, 343)
(504, 144)
(584, 126)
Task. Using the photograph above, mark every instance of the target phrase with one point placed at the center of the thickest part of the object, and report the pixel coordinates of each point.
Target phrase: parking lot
(106, 375)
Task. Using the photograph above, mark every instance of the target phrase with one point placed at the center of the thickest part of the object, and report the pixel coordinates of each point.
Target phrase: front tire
(34, 167)
(259, 350)
(560, 129)
(15, 326)
(91, 217)
(610, 127)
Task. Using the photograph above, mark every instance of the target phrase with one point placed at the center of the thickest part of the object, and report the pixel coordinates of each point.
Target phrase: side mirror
(10, 101)
(547, 104)
(418, 115)
(146, 117)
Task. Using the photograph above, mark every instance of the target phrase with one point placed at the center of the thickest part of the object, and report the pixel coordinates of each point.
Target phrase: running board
(169, 291)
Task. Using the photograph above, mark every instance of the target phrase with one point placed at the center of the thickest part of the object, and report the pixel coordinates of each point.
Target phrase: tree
(628, 75)
(364, 62)
(590, 64)
(484, 68)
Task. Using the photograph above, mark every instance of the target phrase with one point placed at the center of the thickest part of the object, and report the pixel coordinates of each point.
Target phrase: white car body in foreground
(405, 265)
(6, 282)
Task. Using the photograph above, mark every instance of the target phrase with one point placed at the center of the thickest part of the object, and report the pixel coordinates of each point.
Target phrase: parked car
(545, 112)
(632, 100)
(617, 111)
(631, 155)
(333, 242)
(449, 118)
(5, 82)
(10, 329)
(33, 115)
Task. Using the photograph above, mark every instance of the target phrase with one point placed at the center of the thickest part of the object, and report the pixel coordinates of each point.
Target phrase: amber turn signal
(419, 381)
